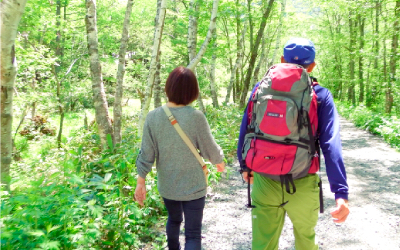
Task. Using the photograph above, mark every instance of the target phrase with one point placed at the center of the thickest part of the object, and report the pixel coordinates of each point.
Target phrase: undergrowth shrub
(80, 197)
(225, 125)
(84, 202)
(376, 123)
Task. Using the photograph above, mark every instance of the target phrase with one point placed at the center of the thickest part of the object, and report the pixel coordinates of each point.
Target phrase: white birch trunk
(192, 42)
(157, 79)
(278, 35)
(237, 65)
(214, 94)
(120, 75)
(157, 85)
(10, 13)
(192, 30)
(99, 96)
(153, 65)
(193, 62)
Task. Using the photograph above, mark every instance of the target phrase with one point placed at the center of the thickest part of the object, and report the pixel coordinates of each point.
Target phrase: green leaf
(72, 152)
(50, 245)
(84, 190)
(38, 182)
(107, 177)
(55, 175)
(110, 142)
(52, 228)
(76, 180)
(36, 233)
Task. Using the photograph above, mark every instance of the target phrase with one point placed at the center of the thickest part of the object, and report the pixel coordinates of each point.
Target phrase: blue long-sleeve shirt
(329, 138)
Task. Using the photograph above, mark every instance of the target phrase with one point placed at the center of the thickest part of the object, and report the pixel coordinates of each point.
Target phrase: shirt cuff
(341, 196)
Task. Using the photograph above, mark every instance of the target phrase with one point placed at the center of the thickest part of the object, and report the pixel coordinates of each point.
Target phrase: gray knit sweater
(179, 174)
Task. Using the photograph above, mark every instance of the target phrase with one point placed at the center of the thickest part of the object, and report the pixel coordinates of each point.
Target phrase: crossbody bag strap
(184, 137)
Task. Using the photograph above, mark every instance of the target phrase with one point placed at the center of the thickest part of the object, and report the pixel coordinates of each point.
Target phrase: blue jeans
(193, 212)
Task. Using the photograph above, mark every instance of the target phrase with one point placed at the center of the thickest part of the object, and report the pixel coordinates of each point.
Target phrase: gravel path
(373, 171)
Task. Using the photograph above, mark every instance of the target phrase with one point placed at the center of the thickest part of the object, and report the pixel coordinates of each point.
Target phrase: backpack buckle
(172, 120)
(288, 141)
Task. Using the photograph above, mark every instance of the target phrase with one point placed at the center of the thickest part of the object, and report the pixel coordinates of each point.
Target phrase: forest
(79, 77)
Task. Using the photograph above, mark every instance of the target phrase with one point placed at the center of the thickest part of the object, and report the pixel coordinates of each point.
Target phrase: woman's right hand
(220, 167)
(140, 191)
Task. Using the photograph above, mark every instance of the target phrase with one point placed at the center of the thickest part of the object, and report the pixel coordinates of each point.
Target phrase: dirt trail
(373, 172)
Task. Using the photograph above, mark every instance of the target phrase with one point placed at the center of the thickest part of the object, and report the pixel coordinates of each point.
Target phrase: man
(302, 206)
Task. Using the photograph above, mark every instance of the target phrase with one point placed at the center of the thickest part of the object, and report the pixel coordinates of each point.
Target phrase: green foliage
(82, 199)
(374, 122)
(79, 197)
(21, 144)
(225, 125)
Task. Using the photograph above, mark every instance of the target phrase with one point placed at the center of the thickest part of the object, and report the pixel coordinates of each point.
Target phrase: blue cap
(299, 51)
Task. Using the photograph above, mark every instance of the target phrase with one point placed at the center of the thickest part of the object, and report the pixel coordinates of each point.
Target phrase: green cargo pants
(268, 216)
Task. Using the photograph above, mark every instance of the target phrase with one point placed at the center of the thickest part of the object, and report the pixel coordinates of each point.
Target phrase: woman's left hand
(220, 167)
(140, 192)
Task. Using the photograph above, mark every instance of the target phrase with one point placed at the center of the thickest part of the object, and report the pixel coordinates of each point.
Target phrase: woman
(181, 180)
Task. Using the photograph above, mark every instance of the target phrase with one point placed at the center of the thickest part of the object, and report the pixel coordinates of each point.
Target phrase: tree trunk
(62, 114)
(23, 115)
(254, 51)
(237, 65)
(56, 70)
(278, 35)
(153, 65)
(99, 97)
(250, 23)
(228, 42)
(262, 58)
(350, 93)
(393, 59)
(214, 95)
(194, 60)
(371, 90)
(361, 23)
(120, 75)
(157, 85)
(33, 108)
(385, 66)
(192, 30)
(211, 29)
(336, 32)
(157, 79)
(338, 92)
(60, 106)
(226, 30)
(58, 37)
(11, 12)
(192, 43)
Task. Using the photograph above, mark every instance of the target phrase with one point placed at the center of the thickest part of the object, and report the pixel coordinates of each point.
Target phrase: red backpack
(281, 141)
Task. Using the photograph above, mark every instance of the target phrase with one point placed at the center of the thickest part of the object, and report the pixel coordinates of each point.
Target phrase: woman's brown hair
(181, 86)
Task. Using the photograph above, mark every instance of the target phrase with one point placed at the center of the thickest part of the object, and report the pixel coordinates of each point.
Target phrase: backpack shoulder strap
(314, 81)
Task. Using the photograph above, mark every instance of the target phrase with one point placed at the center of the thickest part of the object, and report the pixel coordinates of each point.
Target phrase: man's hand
(220, 167)
(246, 178)
(140, 192)
(341, 212)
